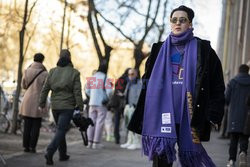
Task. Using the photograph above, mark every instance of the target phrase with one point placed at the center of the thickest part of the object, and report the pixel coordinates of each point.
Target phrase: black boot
(26, 150)
(64, 157)
(33, 150)
(49, 159)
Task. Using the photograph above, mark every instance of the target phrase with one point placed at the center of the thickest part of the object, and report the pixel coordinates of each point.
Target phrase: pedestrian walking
(32, 81)
(131, 94)
(117, 103)
(64, 83)
(237, 92)
(182, 96)
(98, 91)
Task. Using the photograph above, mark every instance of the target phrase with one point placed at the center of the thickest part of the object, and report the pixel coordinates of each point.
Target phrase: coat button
(198, 105)
(202, 89)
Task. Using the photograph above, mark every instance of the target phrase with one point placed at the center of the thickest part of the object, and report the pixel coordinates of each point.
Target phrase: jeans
(234, 139)
(31, 131)
(62, 119)
(117, 118)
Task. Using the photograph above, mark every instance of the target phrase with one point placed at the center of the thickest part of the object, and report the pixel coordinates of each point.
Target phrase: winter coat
(95, 89)
(65, 84)
(246, 130)
(208, 101)
(30, 101)
(236, 95)
(118, 102)
(132, 92)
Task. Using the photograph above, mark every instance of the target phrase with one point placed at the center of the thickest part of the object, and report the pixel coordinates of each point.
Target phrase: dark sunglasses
(131, 74)
(182, 20)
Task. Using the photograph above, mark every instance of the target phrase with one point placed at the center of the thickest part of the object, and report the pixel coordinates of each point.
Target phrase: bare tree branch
(134, 9)
(162, 27)
(148, 14)
(68, 32)
(63, 24)
(29, 38)
(147, 29)
(31, 9)
(92, 29)
(117, 28)
(99, 30)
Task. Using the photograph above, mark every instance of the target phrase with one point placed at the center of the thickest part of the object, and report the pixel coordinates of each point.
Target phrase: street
(111, 156)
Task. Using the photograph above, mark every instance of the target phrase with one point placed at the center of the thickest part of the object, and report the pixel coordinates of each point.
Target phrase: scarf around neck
(159, 134)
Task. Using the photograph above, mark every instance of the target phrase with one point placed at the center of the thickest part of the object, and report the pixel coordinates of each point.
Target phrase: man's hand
(216, 126)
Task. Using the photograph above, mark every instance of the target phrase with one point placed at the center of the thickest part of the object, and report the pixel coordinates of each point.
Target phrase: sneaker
(231, 163)
(134, 147)
(242, 159)
(97, 146)
(125, 145)
(89, 145)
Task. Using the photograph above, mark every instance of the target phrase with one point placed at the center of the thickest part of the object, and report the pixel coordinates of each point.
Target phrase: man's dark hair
(188, 10)
(243, 68)
(38, 57)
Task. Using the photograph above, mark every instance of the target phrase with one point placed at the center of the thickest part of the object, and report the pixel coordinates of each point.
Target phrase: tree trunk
(103, 58)
(62, 34)
(20, 65)
(138, 56)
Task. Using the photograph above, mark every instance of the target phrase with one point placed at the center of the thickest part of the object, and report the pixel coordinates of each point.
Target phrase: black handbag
(82, 123)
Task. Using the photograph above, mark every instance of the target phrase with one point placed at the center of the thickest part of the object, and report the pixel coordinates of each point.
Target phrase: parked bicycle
(5, 115)
(4, 121)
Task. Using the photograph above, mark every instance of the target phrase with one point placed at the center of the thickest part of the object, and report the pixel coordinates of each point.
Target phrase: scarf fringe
(159, 146)
(196, 159)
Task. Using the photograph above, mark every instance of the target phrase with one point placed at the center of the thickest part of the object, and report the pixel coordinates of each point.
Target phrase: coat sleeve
(45, 91)
(24, 82)
(78, 91)
(228, 92)
(217, 89)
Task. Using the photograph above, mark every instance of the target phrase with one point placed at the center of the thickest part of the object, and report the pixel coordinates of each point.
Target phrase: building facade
(234, 39)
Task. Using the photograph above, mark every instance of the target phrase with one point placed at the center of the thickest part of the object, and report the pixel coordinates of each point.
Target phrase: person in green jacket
(64, 82)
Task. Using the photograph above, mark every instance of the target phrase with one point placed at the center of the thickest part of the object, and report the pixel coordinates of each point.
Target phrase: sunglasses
(181, 20)
(131, 74)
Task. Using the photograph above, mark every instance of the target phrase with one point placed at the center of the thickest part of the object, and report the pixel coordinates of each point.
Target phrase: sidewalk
(111, 156)
(11, 145)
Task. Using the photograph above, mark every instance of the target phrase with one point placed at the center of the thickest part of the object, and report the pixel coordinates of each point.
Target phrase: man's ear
(191, 25)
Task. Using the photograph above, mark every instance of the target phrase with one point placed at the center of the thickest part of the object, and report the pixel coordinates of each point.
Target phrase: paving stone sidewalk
(111, 156)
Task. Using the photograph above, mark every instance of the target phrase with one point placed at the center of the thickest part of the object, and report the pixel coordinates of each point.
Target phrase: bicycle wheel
(4, 123)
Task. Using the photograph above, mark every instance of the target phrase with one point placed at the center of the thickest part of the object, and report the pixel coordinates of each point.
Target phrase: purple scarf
(159, 132)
